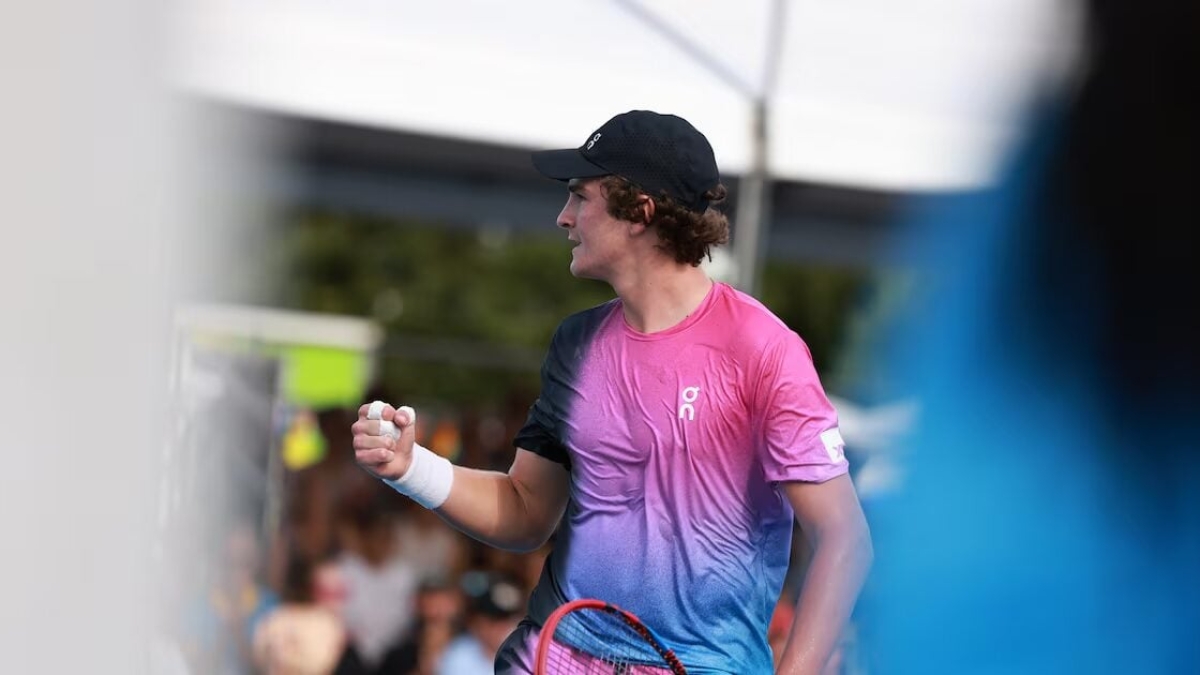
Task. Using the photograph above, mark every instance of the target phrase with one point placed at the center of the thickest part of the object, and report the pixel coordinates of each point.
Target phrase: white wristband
(428, 479)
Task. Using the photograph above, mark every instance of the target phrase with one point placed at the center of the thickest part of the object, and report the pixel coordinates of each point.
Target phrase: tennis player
(680, 429)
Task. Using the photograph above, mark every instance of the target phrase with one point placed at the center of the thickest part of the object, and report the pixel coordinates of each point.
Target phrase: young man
(680, 428)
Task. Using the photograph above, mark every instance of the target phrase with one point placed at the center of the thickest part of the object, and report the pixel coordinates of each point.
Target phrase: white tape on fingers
(386, 428)
(375, 411)
(412, 414)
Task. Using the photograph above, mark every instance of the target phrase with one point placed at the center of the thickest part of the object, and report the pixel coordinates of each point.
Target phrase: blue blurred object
(1032, 535)
(1050, 519)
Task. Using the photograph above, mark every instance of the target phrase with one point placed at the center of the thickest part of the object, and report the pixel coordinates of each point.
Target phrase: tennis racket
(592, 637)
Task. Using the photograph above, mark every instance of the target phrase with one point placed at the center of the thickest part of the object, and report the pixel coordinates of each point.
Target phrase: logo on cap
(593, 141)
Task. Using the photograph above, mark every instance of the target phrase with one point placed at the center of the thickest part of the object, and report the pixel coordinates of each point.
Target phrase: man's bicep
(544, 486)
(824, 508)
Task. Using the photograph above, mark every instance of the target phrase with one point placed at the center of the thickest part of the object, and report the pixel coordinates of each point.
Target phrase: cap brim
(566, 164)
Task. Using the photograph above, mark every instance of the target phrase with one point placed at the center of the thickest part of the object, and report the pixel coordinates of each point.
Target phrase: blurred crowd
(358, 580)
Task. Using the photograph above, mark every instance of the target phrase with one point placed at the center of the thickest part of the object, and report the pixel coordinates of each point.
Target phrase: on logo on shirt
(689, 396)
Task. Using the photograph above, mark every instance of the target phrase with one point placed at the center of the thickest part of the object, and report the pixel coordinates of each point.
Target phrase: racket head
(593, 637)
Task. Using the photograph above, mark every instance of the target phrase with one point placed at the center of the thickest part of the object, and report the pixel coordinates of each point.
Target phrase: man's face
(601, 240)
(442, 604)
(330, 587)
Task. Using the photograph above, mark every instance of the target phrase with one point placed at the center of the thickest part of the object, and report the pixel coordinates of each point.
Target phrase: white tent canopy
(889, 94)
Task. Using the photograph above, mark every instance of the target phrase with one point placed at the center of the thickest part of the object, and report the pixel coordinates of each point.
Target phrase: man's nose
(565, 219)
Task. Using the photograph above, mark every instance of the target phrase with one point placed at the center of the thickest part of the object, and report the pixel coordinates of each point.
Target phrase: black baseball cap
(492, 594)
(658, 153)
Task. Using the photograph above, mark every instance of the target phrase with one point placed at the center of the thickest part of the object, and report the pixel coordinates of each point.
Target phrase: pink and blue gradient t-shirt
(676, 442)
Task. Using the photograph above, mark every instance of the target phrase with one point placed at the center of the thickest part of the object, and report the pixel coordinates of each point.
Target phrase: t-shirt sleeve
(800, 436)
(541, 434)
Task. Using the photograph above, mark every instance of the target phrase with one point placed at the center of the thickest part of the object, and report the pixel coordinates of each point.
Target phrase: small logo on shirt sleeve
(834, 445)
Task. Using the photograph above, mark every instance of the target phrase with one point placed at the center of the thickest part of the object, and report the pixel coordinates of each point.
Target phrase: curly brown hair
(688, 236)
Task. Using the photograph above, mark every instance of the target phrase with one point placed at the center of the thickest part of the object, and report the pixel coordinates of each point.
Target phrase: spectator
(301, 636)
(428, 544)
(495, 604)
(439, 616)
(234, 605)
(380, 584)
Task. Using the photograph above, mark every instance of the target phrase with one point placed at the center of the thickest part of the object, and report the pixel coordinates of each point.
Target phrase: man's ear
(645, 207)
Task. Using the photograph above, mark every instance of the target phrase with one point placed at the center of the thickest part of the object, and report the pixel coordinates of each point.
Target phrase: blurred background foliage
(469, 312)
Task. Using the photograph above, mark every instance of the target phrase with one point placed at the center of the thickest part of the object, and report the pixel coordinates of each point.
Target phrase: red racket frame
(547, 635)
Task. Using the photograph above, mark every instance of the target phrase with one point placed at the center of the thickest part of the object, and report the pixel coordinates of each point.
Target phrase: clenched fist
(383, 439)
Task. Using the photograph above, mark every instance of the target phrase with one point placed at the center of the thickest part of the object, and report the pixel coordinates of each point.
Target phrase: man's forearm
(488, 506)
(834, 578)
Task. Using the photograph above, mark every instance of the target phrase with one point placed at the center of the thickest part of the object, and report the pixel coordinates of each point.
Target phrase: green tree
(469, 312)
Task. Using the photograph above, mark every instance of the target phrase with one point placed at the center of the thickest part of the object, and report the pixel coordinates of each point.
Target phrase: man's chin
(580, 271)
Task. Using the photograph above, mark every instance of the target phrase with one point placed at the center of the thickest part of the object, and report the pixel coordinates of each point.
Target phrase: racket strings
(603, 642)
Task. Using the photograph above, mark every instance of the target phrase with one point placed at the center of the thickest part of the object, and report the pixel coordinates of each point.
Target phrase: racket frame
(547, 634)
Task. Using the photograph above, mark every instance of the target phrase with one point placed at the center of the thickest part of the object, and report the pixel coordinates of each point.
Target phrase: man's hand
(379, 453)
